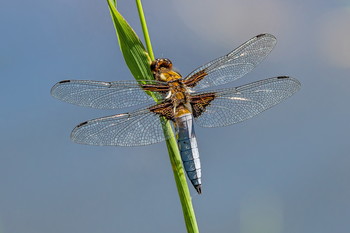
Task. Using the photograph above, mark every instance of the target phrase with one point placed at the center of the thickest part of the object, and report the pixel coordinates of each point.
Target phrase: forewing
(233, 65)
(234, 105)
(103, 95)
(130, 129)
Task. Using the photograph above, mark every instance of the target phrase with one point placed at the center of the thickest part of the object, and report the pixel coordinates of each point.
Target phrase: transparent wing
(102, 95)
(233, 65)
(234, 105)
(138, 128)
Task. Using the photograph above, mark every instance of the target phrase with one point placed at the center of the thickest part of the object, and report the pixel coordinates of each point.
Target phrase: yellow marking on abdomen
(181, 111)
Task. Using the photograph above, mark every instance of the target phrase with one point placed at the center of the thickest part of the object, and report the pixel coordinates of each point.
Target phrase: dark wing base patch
(155, 87)
(200, 102)
(193, 80)
(165, 109)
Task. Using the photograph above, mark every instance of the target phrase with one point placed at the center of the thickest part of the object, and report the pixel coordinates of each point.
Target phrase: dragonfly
(182, 100)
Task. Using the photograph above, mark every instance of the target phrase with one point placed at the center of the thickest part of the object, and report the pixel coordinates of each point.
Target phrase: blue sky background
(285, 171)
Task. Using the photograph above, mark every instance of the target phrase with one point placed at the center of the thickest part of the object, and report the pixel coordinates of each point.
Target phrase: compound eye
(161, 63)
(166, 63)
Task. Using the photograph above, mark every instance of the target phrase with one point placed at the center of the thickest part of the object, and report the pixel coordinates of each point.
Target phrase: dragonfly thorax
(179, 95)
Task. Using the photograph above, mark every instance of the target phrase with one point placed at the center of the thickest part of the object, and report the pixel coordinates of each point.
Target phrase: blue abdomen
(187, 143)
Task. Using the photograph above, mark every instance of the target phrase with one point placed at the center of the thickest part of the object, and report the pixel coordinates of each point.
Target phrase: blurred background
(285, 171)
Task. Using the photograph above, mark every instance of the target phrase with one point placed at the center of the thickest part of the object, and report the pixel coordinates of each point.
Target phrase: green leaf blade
(135, 55)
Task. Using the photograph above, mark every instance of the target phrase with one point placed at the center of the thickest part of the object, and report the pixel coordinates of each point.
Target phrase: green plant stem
(173, 150)
(145, 29)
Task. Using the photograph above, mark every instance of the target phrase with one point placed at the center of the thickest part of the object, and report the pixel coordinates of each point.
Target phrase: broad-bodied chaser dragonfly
(183, 99)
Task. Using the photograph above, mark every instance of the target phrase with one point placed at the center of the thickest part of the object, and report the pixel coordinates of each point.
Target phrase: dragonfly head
(159, 66)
